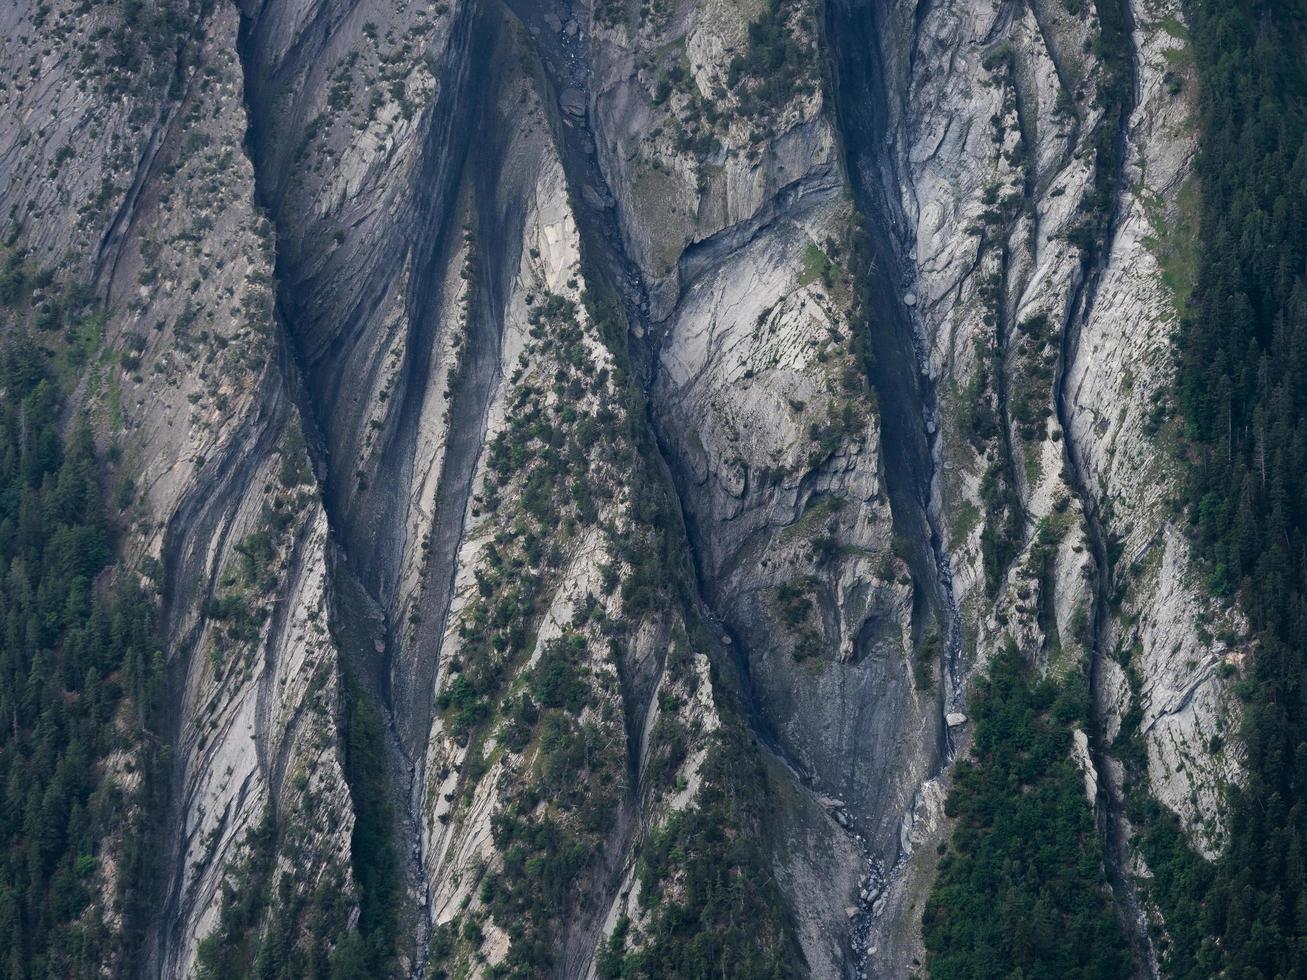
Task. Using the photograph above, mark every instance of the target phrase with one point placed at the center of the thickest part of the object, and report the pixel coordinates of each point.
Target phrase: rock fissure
(1110, 816)
(901, 379)
(375, 660)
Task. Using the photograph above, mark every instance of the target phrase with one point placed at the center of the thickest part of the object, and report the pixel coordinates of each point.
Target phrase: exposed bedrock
(1036, 198)
(823, 538)
(804, 482)
(586, 403)
(365, 252)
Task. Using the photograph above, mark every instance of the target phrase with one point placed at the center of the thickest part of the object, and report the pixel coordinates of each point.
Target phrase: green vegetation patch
(712, 904)
(82, 679)
(817, 265)
(1242, 391)
(1021, 891)
(271, 927)
(774, 66)
(1174, 242)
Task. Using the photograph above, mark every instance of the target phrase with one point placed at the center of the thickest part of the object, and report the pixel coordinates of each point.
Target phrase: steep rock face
(1120, 376)
(1019, 134)
(770, 428)
(387, 447)
(496, 511)
(216, 494)
(692, 152)
(361, 138)
(584, 592)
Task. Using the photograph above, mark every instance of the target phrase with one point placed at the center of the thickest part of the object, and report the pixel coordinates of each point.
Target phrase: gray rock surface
(385, 263)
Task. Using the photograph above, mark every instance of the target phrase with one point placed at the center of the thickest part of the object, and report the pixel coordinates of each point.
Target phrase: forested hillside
(1243, 398)
(80, 676)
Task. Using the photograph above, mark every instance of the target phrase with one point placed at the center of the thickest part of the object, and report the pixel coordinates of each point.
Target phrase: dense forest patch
(1020, 890)
(80, 679)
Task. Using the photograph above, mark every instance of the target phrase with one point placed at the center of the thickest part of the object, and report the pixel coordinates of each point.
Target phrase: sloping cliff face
(1034, 185)
(763, 406)
(149, 208)
(585, 453)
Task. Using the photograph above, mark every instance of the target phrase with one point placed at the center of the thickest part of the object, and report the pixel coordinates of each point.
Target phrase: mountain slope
(580, 462)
